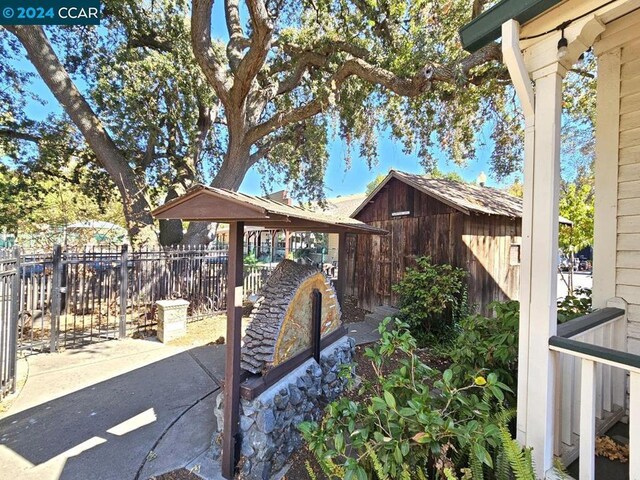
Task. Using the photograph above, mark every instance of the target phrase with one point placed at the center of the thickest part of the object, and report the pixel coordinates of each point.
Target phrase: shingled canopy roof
(225, 206)
(466, 197)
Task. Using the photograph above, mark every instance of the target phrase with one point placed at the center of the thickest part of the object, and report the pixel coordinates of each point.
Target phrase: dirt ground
(351, 312)
(182, 474)
(206, 331)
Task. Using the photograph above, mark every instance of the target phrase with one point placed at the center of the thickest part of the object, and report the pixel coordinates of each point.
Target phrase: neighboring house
(342, 206)
(271, 245)
(568, 391)
(469, 226)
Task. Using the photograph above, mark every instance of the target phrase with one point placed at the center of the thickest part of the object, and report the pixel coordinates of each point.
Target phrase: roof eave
(486, 27)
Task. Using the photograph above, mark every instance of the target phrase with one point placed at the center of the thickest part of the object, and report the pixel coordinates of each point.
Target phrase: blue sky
(338, 179)
(342, 181)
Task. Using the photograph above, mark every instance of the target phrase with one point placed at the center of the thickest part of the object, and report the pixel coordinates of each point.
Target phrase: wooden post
(56, 286)
(588, 420)
(124, 289)
(230, 440)
(273, 236)
(342, 266)
(286, 244)
(316, 323)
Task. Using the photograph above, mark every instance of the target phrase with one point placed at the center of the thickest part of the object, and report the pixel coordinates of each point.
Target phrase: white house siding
(628, 216)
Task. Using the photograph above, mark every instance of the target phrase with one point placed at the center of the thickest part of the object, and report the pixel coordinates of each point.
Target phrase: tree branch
(237, 40)
(201, 42)
(259, 48)
(306, 60)
(150, 41)
(408, 87)
(260, 153)
(16, 135)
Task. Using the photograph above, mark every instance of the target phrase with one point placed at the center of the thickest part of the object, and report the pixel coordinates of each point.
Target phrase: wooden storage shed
(474, 227)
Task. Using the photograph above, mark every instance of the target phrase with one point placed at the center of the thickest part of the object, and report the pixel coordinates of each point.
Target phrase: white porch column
(539, 267)
(606, 178)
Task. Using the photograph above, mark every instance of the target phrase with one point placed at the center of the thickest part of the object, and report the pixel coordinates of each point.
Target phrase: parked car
(584, 264)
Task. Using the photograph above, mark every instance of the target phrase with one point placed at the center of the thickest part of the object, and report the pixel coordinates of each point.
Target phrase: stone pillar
(172, 319)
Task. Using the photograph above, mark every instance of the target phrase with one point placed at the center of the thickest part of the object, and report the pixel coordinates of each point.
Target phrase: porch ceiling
(537, 20)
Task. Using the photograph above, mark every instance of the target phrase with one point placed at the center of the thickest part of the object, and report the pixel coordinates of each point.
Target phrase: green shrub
(574, 306)
(413, 421)
(431, 297)
(250, 260)
(490, 343)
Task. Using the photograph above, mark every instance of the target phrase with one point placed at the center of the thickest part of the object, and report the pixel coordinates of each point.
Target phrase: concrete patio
(101, 411)
(117, 410)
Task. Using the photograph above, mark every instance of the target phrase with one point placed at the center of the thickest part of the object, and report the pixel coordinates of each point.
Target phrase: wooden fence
(70, 298)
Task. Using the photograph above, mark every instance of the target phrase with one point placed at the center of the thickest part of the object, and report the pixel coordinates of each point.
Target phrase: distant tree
(516, 189)
(29, 204)
(371, 186)
(577, 205)
(437, 173)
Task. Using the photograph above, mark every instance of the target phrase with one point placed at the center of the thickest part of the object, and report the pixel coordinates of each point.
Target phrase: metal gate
(65, 299)
(9, 284)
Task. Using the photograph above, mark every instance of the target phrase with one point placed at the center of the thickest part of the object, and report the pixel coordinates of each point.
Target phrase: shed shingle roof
(466, 197)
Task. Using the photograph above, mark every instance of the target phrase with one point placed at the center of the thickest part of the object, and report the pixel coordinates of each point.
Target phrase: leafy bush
(414, 421)
(574, 306)
(490, 344)
(250, 260)
(431, 297)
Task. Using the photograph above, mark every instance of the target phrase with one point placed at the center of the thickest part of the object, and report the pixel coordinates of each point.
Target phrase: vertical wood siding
(480, 244)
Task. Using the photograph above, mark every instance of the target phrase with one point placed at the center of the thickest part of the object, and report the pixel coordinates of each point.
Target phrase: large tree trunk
(171, 230)
(232, 171)
(136, 207)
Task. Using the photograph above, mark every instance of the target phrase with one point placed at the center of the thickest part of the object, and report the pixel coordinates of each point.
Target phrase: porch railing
(593, 366)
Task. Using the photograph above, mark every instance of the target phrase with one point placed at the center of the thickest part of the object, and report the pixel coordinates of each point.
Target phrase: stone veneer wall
(268, 423)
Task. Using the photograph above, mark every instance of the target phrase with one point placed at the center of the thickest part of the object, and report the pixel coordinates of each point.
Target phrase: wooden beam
(342, 266)
(230, 440)
(514, 60)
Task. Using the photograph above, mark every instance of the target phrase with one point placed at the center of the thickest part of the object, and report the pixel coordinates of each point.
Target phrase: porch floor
(607, 469)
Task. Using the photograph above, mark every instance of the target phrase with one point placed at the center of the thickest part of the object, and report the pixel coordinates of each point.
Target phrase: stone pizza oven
(289, 378)
(281, 326)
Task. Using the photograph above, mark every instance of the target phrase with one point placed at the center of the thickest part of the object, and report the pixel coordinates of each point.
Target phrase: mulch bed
(303, 458)
(351, 312)
(182, 474)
